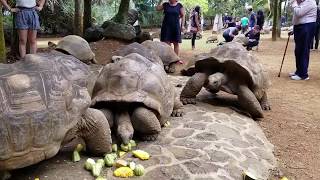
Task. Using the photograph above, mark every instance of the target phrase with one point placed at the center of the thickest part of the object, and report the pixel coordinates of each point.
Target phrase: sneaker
(296, 77)
(292, 74)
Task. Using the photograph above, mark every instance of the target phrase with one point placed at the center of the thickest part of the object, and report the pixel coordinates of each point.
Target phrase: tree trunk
(87, 17)
(275, 20)
(279, 20)
(2, 42)
(14, 46)
(77, 30)
(122, 15)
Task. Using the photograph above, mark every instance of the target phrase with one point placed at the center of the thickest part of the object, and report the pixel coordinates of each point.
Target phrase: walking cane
(284, 54)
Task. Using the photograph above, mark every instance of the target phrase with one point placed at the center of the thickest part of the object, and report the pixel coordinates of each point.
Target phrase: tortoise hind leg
(192, 88)
(249, 102)
(264, 102)
(94, 129)
(146, 123)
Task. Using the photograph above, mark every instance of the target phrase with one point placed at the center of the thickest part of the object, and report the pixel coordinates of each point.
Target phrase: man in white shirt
(304, 21)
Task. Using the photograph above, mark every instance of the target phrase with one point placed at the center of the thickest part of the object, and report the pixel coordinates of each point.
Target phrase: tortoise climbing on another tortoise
(165, 52)
(233, 69)
(136, 94)
(44, 102)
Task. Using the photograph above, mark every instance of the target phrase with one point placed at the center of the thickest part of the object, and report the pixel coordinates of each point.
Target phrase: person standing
(171, 27)
(244, 24)
(260, 19)
(27, 23)
(315, 40)
(252, 18)
(195, 25)
(304, 22)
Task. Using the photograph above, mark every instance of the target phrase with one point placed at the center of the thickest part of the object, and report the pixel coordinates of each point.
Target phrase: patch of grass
(201, 43)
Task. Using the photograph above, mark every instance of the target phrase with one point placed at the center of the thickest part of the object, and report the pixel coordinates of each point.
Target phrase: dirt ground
(293, 124)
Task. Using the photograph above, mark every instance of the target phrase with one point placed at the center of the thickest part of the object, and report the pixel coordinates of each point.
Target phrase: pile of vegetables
(115, 159)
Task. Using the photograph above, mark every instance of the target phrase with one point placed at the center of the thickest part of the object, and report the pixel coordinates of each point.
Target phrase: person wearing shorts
(27, 23)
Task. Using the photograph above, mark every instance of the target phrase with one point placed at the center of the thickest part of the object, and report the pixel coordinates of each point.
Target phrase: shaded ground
(293, 125)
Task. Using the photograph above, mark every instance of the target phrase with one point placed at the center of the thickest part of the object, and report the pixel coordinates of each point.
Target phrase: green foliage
(190, 4)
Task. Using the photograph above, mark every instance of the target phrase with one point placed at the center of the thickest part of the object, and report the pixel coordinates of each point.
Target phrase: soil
(293, 124)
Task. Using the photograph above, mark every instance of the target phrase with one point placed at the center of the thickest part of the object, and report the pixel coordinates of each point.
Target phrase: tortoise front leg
(109, 115)
(94, 129)
(264, 102)
(192, 88)
(146, 123)
(249, 102)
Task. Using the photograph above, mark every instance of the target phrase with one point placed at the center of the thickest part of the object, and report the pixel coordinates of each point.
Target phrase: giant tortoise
(44, 102)
(233, 69)
(135, 93)
(165, 52)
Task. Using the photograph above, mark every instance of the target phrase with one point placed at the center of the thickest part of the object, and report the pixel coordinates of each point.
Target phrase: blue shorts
(27, 19)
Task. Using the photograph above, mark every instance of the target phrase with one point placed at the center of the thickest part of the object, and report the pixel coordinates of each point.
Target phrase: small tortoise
(165, 52)
(44, 102)
(233, 69)
(137, 95)
(212, 39)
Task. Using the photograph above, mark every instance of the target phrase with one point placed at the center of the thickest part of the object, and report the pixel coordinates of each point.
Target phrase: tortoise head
(77, 47)
(216, 80)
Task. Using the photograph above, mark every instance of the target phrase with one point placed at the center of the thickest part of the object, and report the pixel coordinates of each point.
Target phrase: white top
(305, 12)
(26, 3)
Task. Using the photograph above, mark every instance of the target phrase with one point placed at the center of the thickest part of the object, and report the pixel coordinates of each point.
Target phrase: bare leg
(249, 102)
(95, 131)
(176, 48)
(264, 102)
(192, 88)
(124, 126)
(32, 39)
(23, 35)
(146, 123)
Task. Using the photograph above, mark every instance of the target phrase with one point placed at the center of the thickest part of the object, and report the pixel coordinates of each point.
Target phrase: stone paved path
(209, 142)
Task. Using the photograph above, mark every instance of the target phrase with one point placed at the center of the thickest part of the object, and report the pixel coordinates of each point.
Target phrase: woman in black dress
(171, 26)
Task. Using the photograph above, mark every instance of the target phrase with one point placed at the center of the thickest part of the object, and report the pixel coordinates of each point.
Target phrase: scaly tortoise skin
(137, 95)
(44, 103)
(233, 69)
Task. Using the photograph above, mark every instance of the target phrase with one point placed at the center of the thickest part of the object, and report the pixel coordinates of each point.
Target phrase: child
(230, 33)
(253, 36)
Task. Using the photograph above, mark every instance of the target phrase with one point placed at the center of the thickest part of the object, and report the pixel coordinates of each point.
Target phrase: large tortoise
(233, 69)
(139, 49)
(44, 102)
(165, 52)
(135, 93)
